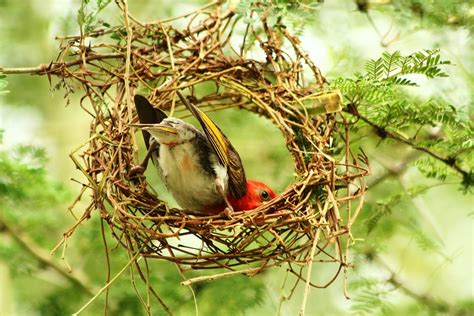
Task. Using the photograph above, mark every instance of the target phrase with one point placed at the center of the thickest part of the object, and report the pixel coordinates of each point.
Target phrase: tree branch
(42, 256)
(382, 132)
(424, 299)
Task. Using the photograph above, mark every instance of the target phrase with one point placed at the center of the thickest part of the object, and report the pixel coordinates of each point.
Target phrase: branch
(42, 256)
(382, 132)
(423, 299)
(56, 67)
(249, 272)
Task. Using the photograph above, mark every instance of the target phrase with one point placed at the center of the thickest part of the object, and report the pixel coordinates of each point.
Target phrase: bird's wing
(147, 114)
(226, 153)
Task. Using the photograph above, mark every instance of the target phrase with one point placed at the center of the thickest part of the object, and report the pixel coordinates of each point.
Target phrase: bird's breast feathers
(192, 186)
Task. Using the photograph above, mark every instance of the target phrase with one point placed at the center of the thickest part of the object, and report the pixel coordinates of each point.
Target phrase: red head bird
(202, 170)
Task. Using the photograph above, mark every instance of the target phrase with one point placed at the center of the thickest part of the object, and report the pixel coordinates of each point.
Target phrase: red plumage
(257, 194)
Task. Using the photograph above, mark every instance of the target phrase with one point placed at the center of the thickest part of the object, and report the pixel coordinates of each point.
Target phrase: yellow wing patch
(224, 150)
(216, 137)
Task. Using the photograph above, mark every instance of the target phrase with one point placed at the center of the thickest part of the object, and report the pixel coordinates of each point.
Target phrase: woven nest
(304, 224)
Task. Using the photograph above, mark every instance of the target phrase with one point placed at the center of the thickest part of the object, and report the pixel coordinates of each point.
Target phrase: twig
(55, 67)
(383, 132)
(249, 271)
(209, 5)
(283, 297)
(193, 293)
(107, 258)
(106, 286)
(308, 274)
(124, 7)
(126, 76)
(150, 288)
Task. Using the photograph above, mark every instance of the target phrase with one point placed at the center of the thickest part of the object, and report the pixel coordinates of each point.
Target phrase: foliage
(88, 14)
(372, 296)
(278, 13)
(24, 185)
(239, 299)
(431, 13)
(380, 99)
(383, 102)
(28, 200)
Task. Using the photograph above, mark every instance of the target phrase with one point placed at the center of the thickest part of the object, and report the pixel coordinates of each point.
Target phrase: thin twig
(249, 271)
(106, 286)
(308, 274)
(384, 132)
(55, 67)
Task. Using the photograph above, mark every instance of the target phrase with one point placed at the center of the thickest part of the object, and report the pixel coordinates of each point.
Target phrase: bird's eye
(264, 195)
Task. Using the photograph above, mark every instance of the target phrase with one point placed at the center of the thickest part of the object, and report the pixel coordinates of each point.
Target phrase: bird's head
(172, 131)
(257, 194)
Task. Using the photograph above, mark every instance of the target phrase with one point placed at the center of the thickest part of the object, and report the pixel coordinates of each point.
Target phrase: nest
(305, 223)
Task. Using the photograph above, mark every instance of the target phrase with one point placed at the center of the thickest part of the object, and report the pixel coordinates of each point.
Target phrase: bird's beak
(164, 128)
(160, 127)
(140, 125)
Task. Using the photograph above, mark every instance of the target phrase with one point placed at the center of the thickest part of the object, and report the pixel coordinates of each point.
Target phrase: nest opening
(305, 223)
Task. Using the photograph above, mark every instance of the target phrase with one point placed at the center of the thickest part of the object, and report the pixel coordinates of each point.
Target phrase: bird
(201, 169)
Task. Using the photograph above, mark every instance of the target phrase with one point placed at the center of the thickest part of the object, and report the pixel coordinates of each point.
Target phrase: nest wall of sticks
(310, 221)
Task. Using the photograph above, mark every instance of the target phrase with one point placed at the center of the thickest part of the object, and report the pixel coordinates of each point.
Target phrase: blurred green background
(423, 246)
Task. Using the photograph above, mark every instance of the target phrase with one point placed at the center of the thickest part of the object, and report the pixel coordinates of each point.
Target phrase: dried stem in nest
(304, 224)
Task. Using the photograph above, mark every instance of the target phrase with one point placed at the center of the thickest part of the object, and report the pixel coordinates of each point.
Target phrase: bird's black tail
(147, 114)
